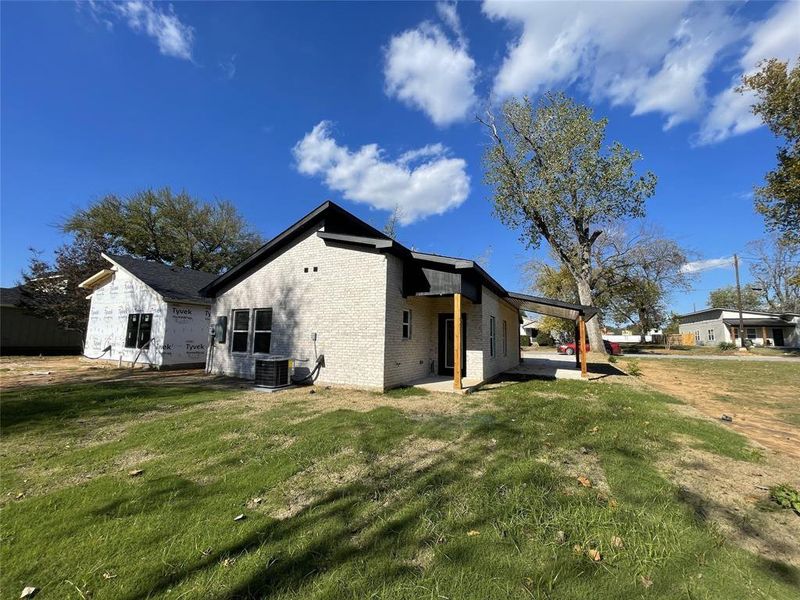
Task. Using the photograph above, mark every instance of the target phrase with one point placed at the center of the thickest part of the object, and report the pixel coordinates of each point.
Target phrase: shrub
(543, 338)
(785, 496)
(524, 340)
(612, 359)
(725, 346)
(634, 368)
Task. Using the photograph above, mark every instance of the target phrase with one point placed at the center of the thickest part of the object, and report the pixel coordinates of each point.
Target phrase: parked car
(611, 348)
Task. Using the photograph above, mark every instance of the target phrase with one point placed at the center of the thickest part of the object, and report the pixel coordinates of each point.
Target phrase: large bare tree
(554, 178)
(775, 268)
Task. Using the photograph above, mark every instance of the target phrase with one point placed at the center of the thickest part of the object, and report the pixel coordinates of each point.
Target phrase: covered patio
(555, 367)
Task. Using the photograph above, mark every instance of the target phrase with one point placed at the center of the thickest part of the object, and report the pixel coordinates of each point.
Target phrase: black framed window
(505, 338)
(492, 341)
(262, 330)
(241, 331)
(140, 326)
(406, 324)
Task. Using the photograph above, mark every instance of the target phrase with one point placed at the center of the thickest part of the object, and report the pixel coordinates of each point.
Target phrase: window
(491, 336)
(262, 330)
(751, 333)
(711, 335)
(139, 327)
(697, 336)
(241, 330)
(406, 324)
(505, 338)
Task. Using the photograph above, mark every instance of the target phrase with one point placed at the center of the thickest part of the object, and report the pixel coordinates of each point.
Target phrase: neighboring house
(24, 333)
(382, 315)
(711, 326)
(529, 328)
(147, 313)
(627, 336)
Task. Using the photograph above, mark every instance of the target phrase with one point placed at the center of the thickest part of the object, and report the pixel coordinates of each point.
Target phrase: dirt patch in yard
(758, 414)
(582, 466)
(20, 372)
(348, 466)
(734, 496)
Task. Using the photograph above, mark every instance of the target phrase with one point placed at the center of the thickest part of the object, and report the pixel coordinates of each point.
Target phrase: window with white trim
(711, 336)
(406, 324)
(491, 336)
(697, 336)
(505, 338)
(751, 333)
(240, 338)
(262, 330)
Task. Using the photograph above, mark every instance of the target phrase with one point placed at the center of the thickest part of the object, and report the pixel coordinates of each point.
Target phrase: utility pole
(739, 296)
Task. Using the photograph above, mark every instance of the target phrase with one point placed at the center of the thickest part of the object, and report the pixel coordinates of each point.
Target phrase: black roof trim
(760, 322)
(377, 243)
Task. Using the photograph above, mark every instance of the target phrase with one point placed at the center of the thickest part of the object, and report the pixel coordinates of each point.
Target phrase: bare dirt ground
(734, 495)
(758, 412)
(33, 371)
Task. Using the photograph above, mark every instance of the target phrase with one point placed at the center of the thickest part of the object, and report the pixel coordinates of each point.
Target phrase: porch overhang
(759, 322)
(551, 307)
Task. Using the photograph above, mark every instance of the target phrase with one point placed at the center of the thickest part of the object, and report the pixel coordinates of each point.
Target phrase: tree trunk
(593, 333)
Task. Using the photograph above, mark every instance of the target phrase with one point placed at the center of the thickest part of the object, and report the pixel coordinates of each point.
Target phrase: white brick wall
(343, 302)
(502, 311)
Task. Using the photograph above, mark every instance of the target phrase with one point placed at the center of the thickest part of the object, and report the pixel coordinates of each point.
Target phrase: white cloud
(775, 37)
(652, 56)
(174, 38)
(426, 70)
(698, 266)
(421, 183)
(228, 67)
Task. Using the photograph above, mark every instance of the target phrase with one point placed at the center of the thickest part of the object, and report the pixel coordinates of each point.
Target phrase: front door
(777, 336)
(447, 341)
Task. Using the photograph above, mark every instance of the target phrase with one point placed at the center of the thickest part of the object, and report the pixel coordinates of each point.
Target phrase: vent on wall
(272, 372)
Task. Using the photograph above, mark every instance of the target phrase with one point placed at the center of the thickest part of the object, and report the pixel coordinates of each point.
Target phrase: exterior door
(447, 342)
(777, 336)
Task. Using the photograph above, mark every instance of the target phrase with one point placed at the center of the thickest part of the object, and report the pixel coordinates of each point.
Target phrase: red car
(611, 348)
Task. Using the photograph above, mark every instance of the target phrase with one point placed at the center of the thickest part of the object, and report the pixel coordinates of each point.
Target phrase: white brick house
(381, 315)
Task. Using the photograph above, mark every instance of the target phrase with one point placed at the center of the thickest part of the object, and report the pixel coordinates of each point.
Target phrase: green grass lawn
(382, 503)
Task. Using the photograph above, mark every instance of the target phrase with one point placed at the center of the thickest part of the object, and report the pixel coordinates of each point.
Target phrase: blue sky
(280, 106)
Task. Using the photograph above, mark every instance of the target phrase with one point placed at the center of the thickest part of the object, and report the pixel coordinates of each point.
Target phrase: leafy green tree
(777, 89)
(553, 179)
(50, 289)
(169, 228)
(726, 297)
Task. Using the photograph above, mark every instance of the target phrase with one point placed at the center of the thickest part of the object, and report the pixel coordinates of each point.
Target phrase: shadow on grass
(745, 533)
(49, 405)
(363, 520)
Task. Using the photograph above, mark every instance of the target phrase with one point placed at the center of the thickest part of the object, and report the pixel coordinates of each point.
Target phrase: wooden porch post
(457, 341)
(582, 327)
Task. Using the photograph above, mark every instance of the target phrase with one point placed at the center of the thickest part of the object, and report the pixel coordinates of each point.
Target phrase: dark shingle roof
(173, 283)
(11, 296)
